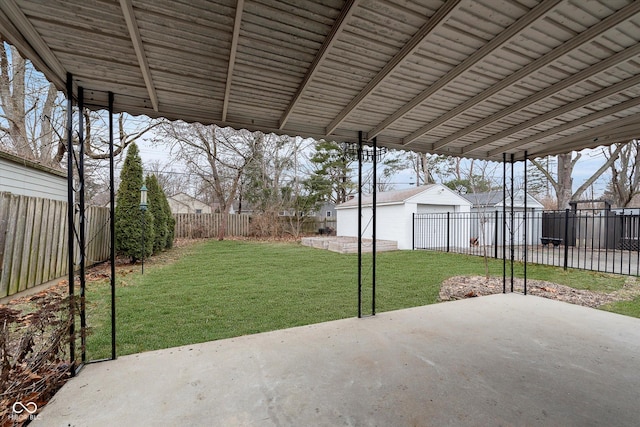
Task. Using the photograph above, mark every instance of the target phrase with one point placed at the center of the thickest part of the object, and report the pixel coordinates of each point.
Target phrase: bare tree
(272, 185)
(563, 184)
(625, 176)
(427, 167)
(28, 105)
(388, 166)
(96, 141)
(32, 117)
(216, 155)
(171, 179)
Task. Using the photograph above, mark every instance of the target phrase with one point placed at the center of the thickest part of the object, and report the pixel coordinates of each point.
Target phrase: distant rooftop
(389, 196)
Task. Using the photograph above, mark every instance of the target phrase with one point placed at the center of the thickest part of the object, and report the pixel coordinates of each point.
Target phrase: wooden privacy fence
(206, 225)
(33, 240)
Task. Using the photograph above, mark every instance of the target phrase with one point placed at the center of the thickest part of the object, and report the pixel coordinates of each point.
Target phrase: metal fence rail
(597, 240)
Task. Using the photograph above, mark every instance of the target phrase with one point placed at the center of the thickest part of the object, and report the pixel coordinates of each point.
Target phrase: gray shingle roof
(395, 196)
(490, 198)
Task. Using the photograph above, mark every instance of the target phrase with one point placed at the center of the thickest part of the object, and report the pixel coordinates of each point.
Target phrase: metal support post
(112, 230)
(359, 224)
(144, 229)
(413, 231)
(448, 231)
(373, 219)
(504, 223)
(566, 238)
(512, 223)
(70, 225)
(82, 246)
(495, 233)
(524, 219)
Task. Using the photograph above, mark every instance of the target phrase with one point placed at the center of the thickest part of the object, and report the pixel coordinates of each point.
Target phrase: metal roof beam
(136, 39)
(338, 27)
(408, 49)
(633, 102)
(232, 57)
(549, 91)
(465, 65)
(554, 113)
(543, 61)
(606, 134)
(598, 135)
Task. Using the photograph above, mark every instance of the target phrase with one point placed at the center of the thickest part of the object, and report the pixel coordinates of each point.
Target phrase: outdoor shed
(487, 211)
(492, 201)
(395, 211)
(27, 178)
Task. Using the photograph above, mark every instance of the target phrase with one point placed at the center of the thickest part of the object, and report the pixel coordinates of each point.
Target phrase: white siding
(183, 203)
(27, 181)
(393, 223)
(395, 219)
(347, 222)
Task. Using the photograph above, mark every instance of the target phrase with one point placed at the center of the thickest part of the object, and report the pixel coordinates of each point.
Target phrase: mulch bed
(461, 287)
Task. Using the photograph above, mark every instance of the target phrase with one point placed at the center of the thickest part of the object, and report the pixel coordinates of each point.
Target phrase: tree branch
(599, 172)
(547, 175)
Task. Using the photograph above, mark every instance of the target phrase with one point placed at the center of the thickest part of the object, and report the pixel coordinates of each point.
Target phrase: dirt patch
(460, 287)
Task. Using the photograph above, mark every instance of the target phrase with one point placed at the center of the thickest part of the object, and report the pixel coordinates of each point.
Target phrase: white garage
(395, 211)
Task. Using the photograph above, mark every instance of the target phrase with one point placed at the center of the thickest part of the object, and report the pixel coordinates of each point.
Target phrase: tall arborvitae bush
(171, 223)
(130, 220)
(156, 207)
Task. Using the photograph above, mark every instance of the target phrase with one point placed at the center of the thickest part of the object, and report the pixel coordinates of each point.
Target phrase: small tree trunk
(222, 230)
(564, 191)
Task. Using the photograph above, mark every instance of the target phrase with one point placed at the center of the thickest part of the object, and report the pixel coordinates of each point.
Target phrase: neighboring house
(325, 212)
(28, 178)
(184, 203)
(487, 209)
(394, 214)
(244, 208)
(492, 201)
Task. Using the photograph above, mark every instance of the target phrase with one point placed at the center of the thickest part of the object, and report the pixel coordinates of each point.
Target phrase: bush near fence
(33, 240)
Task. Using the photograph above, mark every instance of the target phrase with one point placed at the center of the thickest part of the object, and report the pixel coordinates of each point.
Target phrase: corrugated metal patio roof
(459, 77)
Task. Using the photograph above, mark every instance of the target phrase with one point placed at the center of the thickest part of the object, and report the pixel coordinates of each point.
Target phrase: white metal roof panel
(478, 78)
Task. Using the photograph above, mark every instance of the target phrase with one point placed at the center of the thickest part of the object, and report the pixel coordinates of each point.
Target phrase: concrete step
(348, 245)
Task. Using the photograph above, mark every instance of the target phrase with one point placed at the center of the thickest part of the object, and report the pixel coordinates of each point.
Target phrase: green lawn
(628, 308)
(213, 290)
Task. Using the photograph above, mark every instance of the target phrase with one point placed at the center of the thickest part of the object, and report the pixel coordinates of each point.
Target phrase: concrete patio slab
(496, 360)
